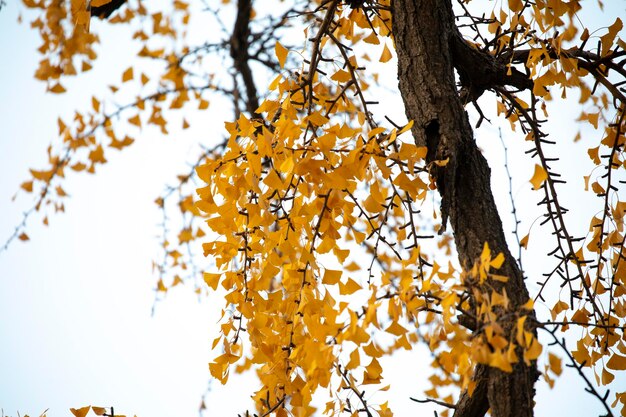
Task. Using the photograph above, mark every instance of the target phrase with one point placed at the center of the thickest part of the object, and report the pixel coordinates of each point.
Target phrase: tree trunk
(429, 48)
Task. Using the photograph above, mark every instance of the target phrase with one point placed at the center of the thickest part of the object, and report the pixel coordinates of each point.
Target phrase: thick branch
(106, 10)
(239, 46)
(428, 51)
(480, 71)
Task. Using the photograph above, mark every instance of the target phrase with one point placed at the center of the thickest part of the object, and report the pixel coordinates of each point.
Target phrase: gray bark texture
(430, 48)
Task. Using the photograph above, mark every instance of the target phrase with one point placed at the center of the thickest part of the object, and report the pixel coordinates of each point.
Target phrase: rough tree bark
(429, 49)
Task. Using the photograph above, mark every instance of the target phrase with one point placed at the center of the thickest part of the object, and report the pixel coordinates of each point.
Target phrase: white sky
(75, 301)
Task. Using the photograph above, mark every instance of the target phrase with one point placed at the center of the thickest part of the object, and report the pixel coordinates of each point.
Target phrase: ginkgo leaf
(524, 241)
(355, 359)
(212, 279)
(607, 377)
(497, 261)
(341, 76)
(372, 38)
(529, 305)
(127, 75)
(373, 373)
(57, 89)
(607, 40)
(99, 3)
(281, 54)
(99, 411)
(350, 287)
(386, 55)
(27, 186)
(135, 120)
(396, 329)
(331, 277)
(555, 363)
(406, 128)
(384, 410)
(533, 351)
(95, 103)
(539, 177)
(617, 362)
(203, 105)
(500, 360)
(80, 412)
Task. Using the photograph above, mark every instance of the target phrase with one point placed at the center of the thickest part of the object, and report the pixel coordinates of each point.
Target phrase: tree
(311, 177)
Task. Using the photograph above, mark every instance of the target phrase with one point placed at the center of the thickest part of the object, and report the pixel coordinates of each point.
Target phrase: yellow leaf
(99, 411)
(95, 104)
(597, 188)
(349, 287)
(281, 54)
(442, 162)
(212, 279)
(617, 362)
(607, 377)
(97, 155)
(273, 180)
(80, 412)
(396, 329)
(524, 242)
(317, 119)
(331, 277)
(78, 166)
(82, 18)
(372, 39)
(593, 154)
(385, 411)
(497, 261)
(406, 127)
(585, 35)
(386, 55)
(341, 76)
(555, 363)
(355, 359)
(499, 359)
(60, 191)
(539, 177)
(533, 351)
(581, 316)
(127, 75)
(27, 186)
(57, 89)
(373, 373)
(135, 120)
(99, 3)
(23, 237)
(581, 354)
(607, 40)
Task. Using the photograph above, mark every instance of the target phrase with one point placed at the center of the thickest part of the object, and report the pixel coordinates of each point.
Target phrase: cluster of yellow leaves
(301, 195)
(99, 411)
(86, 140)
(559, 61)
(66, 39)
(289, 203)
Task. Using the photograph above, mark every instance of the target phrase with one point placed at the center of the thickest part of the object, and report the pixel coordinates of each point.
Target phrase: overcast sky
(75, 301)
